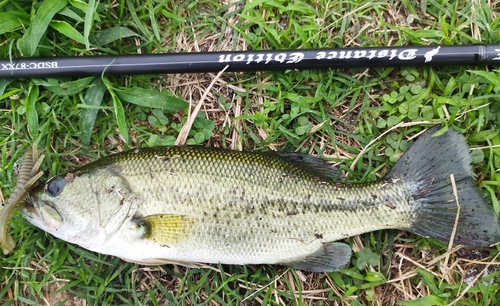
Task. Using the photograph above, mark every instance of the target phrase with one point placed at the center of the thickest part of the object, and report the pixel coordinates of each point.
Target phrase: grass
(331, 113)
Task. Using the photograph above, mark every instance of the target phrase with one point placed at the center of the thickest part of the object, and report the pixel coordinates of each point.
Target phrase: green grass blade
(120, 118)
(3, 84)
(119, 112)
(39, 24)
(10, 21)
(137, 22)
(68, 12)
(89, 22)
(31, 112)
(154, 22)
(93, 97)
(70, 87)
(493, 77)
(430, 300)
(151, 98)
(67, 30)
(108, 36)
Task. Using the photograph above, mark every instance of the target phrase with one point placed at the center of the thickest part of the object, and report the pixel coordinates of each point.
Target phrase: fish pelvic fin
(425, 169)
(162, 261)
(331, 256)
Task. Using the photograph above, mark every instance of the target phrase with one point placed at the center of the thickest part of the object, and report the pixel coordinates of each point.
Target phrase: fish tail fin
(426, 169)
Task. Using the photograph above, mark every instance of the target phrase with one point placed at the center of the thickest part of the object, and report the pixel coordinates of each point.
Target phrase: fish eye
(55, 186)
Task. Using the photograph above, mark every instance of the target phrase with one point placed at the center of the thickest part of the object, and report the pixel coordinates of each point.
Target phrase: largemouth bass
(189, 205)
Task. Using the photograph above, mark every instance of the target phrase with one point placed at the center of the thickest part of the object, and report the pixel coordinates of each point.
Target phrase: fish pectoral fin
(162, 261)
(164, 228)
(332, 256)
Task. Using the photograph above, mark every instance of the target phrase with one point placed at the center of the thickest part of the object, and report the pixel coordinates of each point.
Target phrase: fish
(188, 205)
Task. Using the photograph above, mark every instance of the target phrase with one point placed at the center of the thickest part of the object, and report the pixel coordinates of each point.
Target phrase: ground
(360, 120)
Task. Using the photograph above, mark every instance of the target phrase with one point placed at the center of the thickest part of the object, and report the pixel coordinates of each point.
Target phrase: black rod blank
(339, 58)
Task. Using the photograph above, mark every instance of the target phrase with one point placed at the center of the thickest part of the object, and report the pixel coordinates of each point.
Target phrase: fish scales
(257, 205)
(187, 205)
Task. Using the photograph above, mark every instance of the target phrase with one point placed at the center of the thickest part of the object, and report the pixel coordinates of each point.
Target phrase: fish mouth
(30, 210)
(29, 206)
(40, 213)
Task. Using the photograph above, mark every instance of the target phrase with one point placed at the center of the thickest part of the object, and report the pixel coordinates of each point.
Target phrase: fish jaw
(44, 216)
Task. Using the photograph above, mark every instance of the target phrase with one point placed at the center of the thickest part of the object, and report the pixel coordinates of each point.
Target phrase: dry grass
(454, 266)
(410, 267)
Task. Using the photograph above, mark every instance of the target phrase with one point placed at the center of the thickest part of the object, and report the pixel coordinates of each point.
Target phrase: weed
(330, 113)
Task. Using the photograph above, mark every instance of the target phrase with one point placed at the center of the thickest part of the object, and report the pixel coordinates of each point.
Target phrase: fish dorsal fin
(164, 228)
(331, 256)
(314, 165)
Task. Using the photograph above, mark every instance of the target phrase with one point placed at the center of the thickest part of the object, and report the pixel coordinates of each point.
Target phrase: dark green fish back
(236, 163)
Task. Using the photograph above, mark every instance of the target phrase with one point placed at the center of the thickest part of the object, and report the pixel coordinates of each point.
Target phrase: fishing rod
(264, 60)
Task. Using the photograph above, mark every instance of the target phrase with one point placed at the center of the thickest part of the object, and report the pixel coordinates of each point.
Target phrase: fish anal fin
(162, 261)
(331, 256)
(314, 165)
(164, 229)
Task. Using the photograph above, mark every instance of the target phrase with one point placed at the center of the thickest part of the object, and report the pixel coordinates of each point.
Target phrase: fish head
(84, 209)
